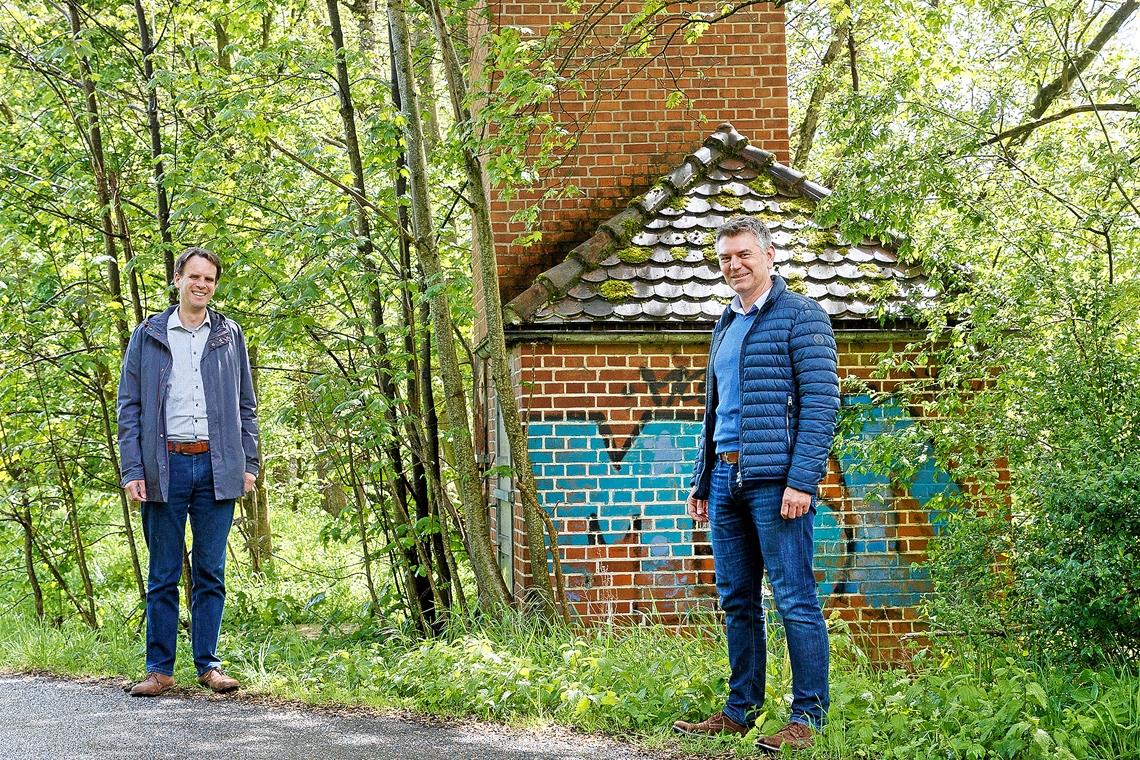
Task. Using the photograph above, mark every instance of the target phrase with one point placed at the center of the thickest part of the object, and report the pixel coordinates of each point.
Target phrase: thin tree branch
(1024, 129)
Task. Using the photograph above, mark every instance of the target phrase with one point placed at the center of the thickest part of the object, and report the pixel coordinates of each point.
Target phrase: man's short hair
(739, 225)
(206, 254)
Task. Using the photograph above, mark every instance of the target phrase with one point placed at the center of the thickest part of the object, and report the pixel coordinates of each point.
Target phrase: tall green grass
(634, 682)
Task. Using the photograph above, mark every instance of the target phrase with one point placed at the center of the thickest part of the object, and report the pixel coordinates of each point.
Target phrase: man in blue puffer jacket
(772, 393)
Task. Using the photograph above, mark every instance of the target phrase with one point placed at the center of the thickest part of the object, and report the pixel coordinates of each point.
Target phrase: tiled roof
(655, 262)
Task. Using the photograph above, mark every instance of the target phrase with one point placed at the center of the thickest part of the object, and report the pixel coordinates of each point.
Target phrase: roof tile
(679, 281)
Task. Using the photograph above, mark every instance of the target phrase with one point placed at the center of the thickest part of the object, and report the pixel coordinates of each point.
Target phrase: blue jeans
(749, 537)
(164, 527)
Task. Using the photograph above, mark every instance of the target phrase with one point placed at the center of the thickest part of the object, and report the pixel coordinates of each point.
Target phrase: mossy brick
(655, 199)
(682, 177)
(563, 277)
(705, 155)
(593, 250)
(625, 225)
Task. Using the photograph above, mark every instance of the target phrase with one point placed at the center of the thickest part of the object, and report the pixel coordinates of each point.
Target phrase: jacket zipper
(740, 369)
(788, 424)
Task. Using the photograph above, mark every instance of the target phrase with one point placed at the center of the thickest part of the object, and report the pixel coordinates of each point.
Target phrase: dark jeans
(164, 527)
(749, 537)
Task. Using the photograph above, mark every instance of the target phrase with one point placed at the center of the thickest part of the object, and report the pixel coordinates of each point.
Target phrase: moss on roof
(615, 290)
(797, 204)
(730, 201)
(763, 184)
(634, 254)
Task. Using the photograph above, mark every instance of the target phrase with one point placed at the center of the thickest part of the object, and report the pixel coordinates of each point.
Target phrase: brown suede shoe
(153, 685)
(215, 679)
(794, 735)
(714, 725)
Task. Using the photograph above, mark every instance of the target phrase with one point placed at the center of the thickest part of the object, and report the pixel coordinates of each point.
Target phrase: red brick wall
(612, 435)
(735, 72)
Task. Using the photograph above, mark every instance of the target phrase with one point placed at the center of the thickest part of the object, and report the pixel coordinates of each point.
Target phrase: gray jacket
(230, 407)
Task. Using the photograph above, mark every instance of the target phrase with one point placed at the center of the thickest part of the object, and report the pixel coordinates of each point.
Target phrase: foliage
(635, 681)
(1008, 173)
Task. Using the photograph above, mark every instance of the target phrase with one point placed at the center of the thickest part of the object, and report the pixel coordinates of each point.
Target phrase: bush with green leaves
(1079, 564)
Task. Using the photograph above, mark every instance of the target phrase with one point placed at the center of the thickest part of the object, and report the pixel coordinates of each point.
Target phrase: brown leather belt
(188, 447)
(729, 457)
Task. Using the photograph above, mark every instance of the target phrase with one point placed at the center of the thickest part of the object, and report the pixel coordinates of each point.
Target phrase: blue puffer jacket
(790, 394)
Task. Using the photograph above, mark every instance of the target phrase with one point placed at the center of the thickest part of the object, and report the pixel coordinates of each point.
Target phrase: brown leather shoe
(794, 735)
(153, 685)
(714, 725)
(215, 679)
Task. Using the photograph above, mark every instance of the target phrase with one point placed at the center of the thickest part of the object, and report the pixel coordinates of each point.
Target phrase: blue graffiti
(641, 492)
(637, 496)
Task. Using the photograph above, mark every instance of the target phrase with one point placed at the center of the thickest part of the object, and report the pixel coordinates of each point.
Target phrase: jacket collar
(155, 326)
(779, 285)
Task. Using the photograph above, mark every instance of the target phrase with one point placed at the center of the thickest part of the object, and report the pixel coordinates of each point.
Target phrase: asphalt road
(47, 719)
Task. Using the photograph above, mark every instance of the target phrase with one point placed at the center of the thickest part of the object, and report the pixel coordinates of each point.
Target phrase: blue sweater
(789, 394)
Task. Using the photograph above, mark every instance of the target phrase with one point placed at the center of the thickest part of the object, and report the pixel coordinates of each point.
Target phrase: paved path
(47, 719)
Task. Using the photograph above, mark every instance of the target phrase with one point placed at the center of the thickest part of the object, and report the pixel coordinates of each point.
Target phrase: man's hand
(795, 503)
(698, 509)
(250, 480)
(136, 489)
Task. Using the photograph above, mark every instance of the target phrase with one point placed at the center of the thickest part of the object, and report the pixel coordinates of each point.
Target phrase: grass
(631, 682)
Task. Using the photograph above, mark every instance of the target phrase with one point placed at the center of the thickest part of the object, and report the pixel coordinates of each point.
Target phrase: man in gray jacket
(189, 446)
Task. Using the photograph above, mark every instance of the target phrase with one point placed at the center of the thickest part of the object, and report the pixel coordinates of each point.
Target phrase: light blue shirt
(186, 402)
(726, 374)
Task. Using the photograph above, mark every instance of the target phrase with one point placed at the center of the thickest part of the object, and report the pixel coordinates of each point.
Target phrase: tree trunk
(163, 204)
(437, 495)
(492, 591)
(805, 135)
(99, 170)
(29, 560)
(488, 270)
(384, 382)
(128, 251)
(1073, 67)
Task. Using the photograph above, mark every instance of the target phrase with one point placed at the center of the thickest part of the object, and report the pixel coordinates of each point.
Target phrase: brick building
(608, 325)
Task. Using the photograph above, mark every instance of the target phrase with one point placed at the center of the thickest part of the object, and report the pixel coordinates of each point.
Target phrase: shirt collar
(738, 307)
(174, 321)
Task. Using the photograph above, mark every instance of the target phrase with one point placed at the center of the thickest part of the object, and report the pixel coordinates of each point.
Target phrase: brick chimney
(736, 71)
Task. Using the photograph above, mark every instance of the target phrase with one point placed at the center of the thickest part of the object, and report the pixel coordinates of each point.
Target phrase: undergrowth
(634, 682)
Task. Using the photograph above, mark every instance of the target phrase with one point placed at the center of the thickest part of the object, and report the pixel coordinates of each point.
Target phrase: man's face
(746, 268)
(196, 282)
